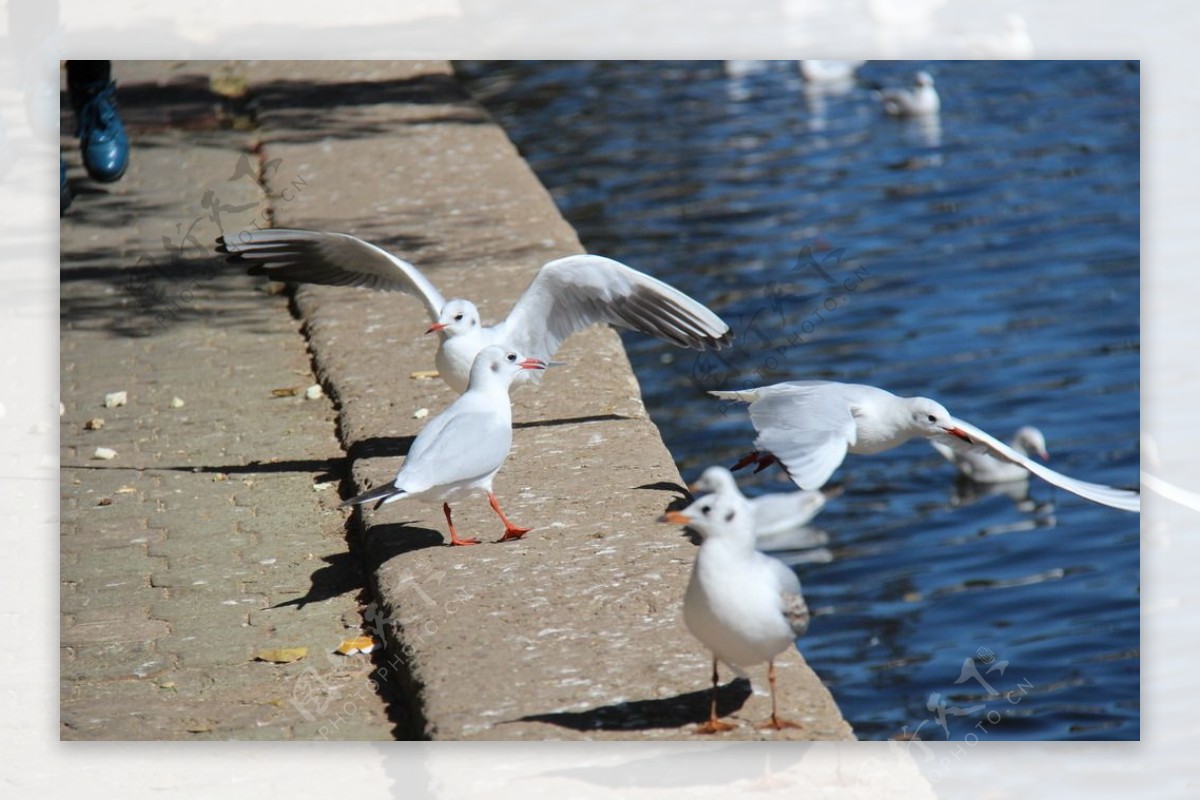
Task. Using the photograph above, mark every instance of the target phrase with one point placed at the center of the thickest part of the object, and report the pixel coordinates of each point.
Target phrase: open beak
(533, 364)
(958, 432)
(435, 327)
(678, 518)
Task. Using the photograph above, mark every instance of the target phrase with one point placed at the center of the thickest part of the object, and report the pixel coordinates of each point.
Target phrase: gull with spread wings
(566, 295)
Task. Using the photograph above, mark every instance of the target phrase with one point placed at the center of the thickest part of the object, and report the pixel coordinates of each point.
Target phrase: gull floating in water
(459, 452)
(810, 426)
(828, 71)
(746, 607)
(980, 466)
(774, 512)
(566, 295)
(921, 100)
(1013, 43)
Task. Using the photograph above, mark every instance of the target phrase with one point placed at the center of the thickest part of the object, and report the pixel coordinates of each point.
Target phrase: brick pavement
(214, 533)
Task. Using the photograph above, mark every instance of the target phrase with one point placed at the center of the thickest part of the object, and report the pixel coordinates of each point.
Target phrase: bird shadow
(660, 713)
(342, 573)
(375, 447)
(385, 541)
(683, 500)
(569, 421)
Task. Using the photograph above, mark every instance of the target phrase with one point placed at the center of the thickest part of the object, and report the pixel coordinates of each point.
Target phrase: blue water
(991, 263)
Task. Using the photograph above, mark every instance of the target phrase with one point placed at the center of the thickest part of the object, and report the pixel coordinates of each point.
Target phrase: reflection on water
(990, 263)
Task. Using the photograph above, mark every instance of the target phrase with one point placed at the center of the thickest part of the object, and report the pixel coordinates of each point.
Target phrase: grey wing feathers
(331, 259)
(791, 598)
(569, 294)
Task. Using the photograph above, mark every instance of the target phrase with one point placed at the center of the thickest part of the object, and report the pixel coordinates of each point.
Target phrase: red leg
(760, 459)
(511, 532)
(777, 723)
(749, 458)
(713, 725)
(765, 461)
(454, 540)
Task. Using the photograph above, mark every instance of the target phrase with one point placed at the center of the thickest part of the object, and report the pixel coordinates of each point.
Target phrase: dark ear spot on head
(730, 516)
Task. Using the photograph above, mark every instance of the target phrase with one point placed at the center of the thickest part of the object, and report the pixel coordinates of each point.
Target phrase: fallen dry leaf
(284, 392)
(281, 655)
(423, 374)
(358, 645)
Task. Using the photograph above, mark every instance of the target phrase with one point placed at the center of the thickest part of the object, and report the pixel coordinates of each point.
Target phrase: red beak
(678, 518)
(533, 364)
(958, 432)
(435, 327)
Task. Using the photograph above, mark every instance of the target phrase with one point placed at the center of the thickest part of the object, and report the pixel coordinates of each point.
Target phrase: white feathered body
(482, 423)
(742, 604)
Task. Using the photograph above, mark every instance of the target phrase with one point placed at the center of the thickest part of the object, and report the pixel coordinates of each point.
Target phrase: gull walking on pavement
(566, 295)
(459, 452)
(745, 606)
(810, 426)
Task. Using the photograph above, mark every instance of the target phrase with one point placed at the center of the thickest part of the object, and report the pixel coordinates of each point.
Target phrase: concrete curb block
(573, 632)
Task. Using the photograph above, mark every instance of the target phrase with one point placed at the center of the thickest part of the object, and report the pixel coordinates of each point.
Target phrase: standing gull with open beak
(459, 452)
(745, 606)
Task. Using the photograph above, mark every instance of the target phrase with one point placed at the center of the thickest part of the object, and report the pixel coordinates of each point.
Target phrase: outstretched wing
(1127, 500)
(569, 294)
(320, 257)
(807, 427)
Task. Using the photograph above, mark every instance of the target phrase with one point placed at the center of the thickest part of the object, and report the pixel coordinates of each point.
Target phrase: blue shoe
(102, 137)
(64, 189)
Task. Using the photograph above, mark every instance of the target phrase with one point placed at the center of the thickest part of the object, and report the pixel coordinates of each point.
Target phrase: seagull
(983, 468)
(920, 101)
(459, 452)
(774, 512)
(1014, 43)
(745, 606)
(810, 426)
(828, 71)
(566, 295)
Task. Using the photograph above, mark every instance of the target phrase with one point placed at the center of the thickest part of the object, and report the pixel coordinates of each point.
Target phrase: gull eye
(512, 357)
(932, 418)
(458, 318)
(704, 510)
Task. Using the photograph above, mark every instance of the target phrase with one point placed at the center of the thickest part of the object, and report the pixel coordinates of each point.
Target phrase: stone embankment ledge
(575, 631)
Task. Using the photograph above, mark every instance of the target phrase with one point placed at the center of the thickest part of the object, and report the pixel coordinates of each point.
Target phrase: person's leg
(102, 138)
